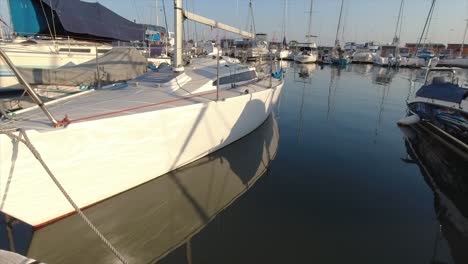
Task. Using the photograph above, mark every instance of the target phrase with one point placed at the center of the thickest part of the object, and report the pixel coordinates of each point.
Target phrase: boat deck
(150, 92)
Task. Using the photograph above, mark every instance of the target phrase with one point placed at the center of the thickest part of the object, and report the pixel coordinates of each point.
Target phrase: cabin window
(75, 50)
(238, 77)
(102, 50)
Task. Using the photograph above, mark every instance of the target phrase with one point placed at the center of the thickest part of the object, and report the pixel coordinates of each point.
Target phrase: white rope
(22, 137)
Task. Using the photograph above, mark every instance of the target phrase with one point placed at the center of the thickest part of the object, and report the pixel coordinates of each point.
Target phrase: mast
(284, 18)
(463, 42)
(309, 34)
(426, 25)
(179, 15)
(396, 37)
(252, 26)
(337, 42)
(178, 20)
(157, 13)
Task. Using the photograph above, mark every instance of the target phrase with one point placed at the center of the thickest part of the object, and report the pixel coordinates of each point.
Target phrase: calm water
(330, 179)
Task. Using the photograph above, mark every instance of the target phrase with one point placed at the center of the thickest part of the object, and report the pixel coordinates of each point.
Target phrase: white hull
(309, 58)
(417, 62)
(363, 57)
(173, 201)
(381, 61)
(98, 159)
(283, 54)
(458, 62)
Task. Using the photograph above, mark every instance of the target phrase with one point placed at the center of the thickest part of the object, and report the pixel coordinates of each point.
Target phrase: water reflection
(383, 76)
(444, 169)
(149, 221)
(362, 69)
(303, 72)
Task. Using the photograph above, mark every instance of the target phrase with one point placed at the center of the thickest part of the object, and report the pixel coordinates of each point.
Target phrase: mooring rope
(22, 137)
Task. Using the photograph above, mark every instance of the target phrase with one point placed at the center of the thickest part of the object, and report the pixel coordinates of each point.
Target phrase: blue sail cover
(72, 18)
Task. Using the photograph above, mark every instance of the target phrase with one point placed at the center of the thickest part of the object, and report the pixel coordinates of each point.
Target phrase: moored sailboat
(339, 56)
(115, 139)
(307, 51)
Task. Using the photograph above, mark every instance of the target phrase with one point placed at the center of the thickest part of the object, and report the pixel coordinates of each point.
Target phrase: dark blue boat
(442, 105)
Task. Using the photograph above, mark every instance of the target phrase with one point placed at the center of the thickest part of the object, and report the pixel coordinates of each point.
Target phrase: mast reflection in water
(150, 221)
(444, 169)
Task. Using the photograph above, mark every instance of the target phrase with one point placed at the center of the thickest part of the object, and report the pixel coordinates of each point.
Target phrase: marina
(301, 194)
(188, 136)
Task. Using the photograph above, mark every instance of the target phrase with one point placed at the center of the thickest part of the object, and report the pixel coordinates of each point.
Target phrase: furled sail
(72, 18)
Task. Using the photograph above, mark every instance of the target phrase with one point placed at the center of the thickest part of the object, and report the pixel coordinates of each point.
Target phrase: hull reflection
(148, 222)
(444, 168)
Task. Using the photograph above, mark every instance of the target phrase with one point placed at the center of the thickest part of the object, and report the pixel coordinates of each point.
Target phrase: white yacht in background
(283, 53)
(386, 55)
(366, 53)
(211, 49)
(118, 138)
(259, 48)
(350, 47)
(307, 52)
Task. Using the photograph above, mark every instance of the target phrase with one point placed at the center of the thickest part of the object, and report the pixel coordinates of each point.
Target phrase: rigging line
(284, 18)
(253, 18)
(195, 24)
(401, 21)
(425, 25)
(344, 23)
(398, 20)
(186, 24)
(248, 24)
(136, 12)
(47, 19)
(310, 22)
(53, 18)
(167, 29)
(429, 25)
(339, 24)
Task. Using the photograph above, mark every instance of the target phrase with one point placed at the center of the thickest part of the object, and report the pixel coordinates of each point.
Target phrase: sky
(364, 20)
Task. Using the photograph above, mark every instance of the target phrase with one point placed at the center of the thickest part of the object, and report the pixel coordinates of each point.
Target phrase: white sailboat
(388, 55)
(307, 51)
(115, 139)
(339, 56)
(284, 52)
(366, 53)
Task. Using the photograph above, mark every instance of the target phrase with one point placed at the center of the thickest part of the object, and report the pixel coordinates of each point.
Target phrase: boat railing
(431, 75)
(28, 89)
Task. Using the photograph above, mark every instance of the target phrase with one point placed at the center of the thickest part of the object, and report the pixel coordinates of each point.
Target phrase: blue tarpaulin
(444, 92)
(72, 18)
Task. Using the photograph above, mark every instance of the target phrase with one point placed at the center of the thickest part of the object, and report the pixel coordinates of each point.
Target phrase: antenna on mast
(251, 24)
(309, 33)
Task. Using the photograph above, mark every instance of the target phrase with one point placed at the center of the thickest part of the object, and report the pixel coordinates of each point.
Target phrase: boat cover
(443, 91)
(72, 18)
(118, 64)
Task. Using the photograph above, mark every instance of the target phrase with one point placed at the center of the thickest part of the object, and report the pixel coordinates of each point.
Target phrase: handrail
(30, 91)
